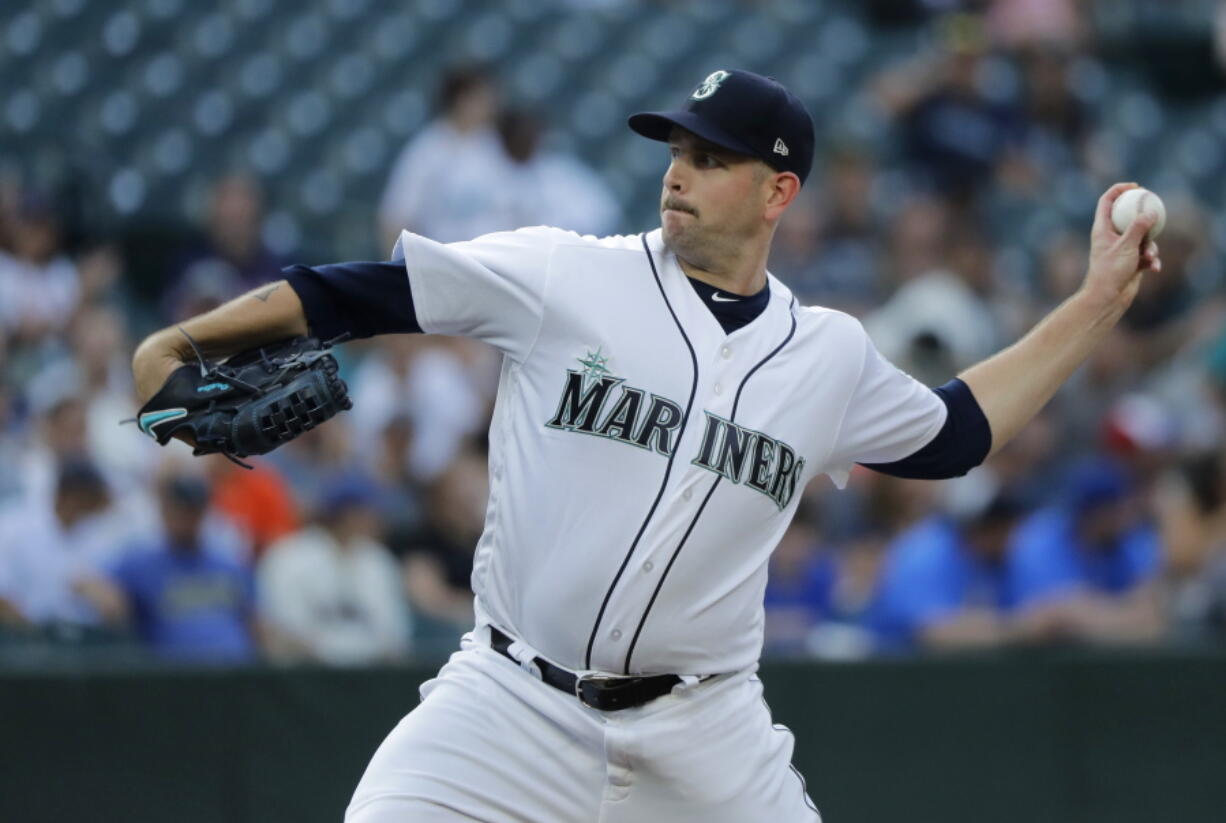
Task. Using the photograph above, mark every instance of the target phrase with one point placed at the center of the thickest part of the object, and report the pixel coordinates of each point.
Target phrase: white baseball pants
(492, 743)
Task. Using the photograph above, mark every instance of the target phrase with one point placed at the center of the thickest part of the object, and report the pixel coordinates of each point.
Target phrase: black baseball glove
(252, 402)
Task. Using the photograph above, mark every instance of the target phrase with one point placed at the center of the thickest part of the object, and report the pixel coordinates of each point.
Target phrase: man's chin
(669, 235)
(675, 225)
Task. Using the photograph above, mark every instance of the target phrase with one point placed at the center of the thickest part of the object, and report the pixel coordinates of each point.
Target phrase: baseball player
(663, 402)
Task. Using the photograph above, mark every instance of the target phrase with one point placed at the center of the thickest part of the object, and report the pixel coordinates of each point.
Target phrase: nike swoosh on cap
(718, 298)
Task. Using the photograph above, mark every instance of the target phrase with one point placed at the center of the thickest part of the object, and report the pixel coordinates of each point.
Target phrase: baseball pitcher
(663, 402)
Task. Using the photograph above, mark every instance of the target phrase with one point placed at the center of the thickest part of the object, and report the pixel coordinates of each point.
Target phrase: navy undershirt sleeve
(358, 299)
(961, 444)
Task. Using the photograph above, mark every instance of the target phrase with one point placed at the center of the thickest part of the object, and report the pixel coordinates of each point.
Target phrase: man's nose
(674, 179)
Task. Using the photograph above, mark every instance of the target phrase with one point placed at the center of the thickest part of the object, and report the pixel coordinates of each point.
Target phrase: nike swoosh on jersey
(150, 419)
(720, 299)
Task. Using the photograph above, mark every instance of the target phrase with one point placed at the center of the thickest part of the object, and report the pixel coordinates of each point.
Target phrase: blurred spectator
(97, 366)
(60, 433)
(1191, 505)
(955, 136)
(428, 381)
(400, 503)
(942, 321)
(52, 548)
(916, 242)
(1062, 267)
(827, 247)
(1027, 466)
(1022, 23)
(11, 448)
(332, 592)
(447, 181)
(1058, 121)
(1085, 568)
(1191, 388)
(1140, 434)
(257, 500)
(946, 582)
(798, 590)
(101, 272)
(438, 566)
(39, 284)
(549, 188)
(309, 462)
(183, 593)
(229, 259)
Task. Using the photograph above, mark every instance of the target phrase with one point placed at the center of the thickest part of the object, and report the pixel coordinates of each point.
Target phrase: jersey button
(725, 352)
(616, 634)
(648, 566)
(687, 494)
(719, 388)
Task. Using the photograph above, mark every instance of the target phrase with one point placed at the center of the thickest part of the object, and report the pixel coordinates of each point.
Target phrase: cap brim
(658, 125)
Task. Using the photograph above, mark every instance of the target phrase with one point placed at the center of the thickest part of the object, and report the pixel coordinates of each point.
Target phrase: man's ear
(784, 186)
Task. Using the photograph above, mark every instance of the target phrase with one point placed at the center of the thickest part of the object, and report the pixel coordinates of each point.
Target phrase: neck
(738, 279)
(742, 274)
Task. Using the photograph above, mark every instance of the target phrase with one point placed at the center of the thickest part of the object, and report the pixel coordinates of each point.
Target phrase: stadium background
(142, 141)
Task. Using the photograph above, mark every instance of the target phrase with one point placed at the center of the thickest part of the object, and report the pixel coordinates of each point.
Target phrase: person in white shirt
(331, 592)
(53, 549)
(445, 183)
(39, 285)
(546, 187)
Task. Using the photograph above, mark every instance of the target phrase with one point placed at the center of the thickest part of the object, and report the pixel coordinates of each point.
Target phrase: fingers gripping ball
(250, 404)
(1135, 202)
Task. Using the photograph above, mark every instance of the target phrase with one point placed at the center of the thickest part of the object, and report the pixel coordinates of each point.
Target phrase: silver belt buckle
(593, 678)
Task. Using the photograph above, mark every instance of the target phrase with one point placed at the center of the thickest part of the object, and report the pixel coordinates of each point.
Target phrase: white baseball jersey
(643, 462)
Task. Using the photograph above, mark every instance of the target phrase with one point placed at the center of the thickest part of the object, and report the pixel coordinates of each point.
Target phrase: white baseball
(1137, 201)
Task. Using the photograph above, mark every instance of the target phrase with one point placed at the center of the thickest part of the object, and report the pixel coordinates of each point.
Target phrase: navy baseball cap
(743, 112)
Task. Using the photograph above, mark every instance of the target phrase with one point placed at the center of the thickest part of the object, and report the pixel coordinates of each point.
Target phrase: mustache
(670, 202)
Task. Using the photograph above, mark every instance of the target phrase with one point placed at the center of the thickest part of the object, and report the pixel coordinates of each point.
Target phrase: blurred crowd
(1103, 522)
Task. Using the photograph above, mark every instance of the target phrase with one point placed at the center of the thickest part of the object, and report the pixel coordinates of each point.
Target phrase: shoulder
(630, 242)
(833, 340)
(832, 322)
(538, 240)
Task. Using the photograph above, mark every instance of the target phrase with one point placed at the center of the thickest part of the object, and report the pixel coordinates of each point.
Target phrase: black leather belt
(606, 694)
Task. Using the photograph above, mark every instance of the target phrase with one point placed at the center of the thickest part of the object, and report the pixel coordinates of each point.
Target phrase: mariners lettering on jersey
(633, 418)
(646, 420)
(746, 456)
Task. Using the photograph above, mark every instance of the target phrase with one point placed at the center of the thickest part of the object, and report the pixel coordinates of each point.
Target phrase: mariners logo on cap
(709, 86)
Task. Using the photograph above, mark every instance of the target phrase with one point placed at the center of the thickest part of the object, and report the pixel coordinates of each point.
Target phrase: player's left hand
(252, 403)
(1117, 261)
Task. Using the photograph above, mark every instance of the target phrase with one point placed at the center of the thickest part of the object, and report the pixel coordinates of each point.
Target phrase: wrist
(154, 360)
(1099, 307)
